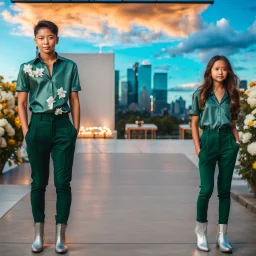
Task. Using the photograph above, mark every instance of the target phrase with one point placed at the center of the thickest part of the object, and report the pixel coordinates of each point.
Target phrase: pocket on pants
(29, 127)
(234, 145)
(203, 144)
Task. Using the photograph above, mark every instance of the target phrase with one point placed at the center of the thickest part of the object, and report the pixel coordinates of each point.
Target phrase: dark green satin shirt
(36, 80)
(216, 114)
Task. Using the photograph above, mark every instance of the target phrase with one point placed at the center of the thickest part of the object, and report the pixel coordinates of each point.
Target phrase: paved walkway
(129, 198)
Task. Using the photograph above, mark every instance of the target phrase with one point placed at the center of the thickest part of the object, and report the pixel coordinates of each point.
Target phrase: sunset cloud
(110, 23)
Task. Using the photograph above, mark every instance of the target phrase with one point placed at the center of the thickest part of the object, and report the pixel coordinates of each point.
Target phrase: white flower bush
(11, 136)
(247, 135)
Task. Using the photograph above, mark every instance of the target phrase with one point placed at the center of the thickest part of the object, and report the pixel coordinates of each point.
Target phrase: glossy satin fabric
(64, 74)
(216, 114)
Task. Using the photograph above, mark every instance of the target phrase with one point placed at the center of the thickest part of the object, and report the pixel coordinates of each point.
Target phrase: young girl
(215, 107)
(50, 80)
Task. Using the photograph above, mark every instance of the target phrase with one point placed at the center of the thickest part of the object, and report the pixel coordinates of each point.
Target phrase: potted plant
(247, 134)
(11, 136)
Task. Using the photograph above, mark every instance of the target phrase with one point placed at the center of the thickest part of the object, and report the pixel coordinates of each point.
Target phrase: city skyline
(179, 44)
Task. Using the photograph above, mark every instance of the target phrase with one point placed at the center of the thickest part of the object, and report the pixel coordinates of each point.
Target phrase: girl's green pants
(217, 146)
(54, 135)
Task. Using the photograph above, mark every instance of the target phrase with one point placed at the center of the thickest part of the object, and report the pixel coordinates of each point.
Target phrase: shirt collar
(215, 98)
(58, 57)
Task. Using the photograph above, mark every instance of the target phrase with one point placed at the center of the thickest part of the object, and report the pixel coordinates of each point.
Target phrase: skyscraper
(116, 87)
(124, 93)
(144, 85)
(160, 92)
(132, 79)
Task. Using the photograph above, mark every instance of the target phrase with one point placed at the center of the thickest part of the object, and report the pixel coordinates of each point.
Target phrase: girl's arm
(75, 109)
(195, 132)
(22, 111)
(234, 130)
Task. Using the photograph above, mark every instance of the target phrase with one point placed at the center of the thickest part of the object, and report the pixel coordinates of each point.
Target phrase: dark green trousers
(54, 135)
(216, 146)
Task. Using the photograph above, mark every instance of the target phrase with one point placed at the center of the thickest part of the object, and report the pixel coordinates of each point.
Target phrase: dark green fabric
(215, 115)
(216, 146)
(64, 74)
(55, 135)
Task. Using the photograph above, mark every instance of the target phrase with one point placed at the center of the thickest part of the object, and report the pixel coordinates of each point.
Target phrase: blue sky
(178, 39)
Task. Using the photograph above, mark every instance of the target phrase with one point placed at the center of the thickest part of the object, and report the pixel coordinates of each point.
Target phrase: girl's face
(219, 71)
(46, 40)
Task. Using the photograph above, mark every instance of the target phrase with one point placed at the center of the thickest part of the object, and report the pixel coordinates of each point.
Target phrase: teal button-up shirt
(215, 114)
(35, 79)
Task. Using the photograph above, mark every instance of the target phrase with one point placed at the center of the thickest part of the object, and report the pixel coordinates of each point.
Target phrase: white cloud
(145, 62)
(186, 87)
(219, 39)
(189, 85)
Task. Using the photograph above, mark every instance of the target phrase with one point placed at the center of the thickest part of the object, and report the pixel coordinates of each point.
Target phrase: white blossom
(9, 129)
(254, 112)
(3, 143)
(3, 122)
(38, 72)
(251, 148)
(251, 101)
(58, 111)
(246, 127)
(246, 137)
(61, 93)
(240, 134)
(252, 94)
(2, 131)
(50, 102)
(27, 68)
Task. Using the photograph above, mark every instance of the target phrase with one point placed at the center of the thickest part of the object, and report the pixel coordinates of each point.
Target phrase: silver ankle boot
(38, 244)
(60, 244)
(201, 236)
(222, 238)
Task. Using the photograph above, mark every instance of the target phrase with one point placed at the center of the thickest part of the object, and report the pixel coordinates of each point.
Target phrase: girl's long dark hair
(230, 84)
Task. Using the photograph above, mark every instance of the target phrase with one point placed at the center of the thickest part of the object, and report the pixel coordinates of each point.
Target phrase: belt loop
(41, 117)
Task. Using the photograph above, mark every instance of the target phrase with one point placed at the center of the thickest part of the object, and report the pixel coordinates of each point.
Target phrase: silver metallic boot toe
(60, 246)
(201, 236)
(38, 244)
(222, 238)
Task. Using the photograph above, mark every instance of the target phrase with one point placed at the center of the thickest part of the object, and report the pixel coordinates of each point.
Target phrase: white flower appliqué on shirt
(62, 94)
(50, 102)
(33, 73)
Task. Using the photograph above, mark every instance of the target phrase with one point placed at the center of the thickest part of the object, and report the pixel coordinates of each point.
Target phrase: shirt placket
(51, 87)
(218, 112)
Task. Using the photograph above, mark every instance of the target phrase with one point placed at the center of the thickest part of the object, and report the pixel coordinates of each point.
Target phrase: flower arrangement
(247, 135)
(11, 136)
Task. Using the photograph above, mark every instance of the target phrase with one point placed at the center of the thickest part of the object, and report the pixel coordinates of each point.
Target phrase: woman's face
(219, 71)
(46, 40)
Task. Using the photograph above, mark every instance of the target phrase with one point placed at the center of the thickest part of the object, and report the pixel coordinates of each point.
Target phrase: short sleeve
(22, 84)
(195, 110)
(75, 81)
